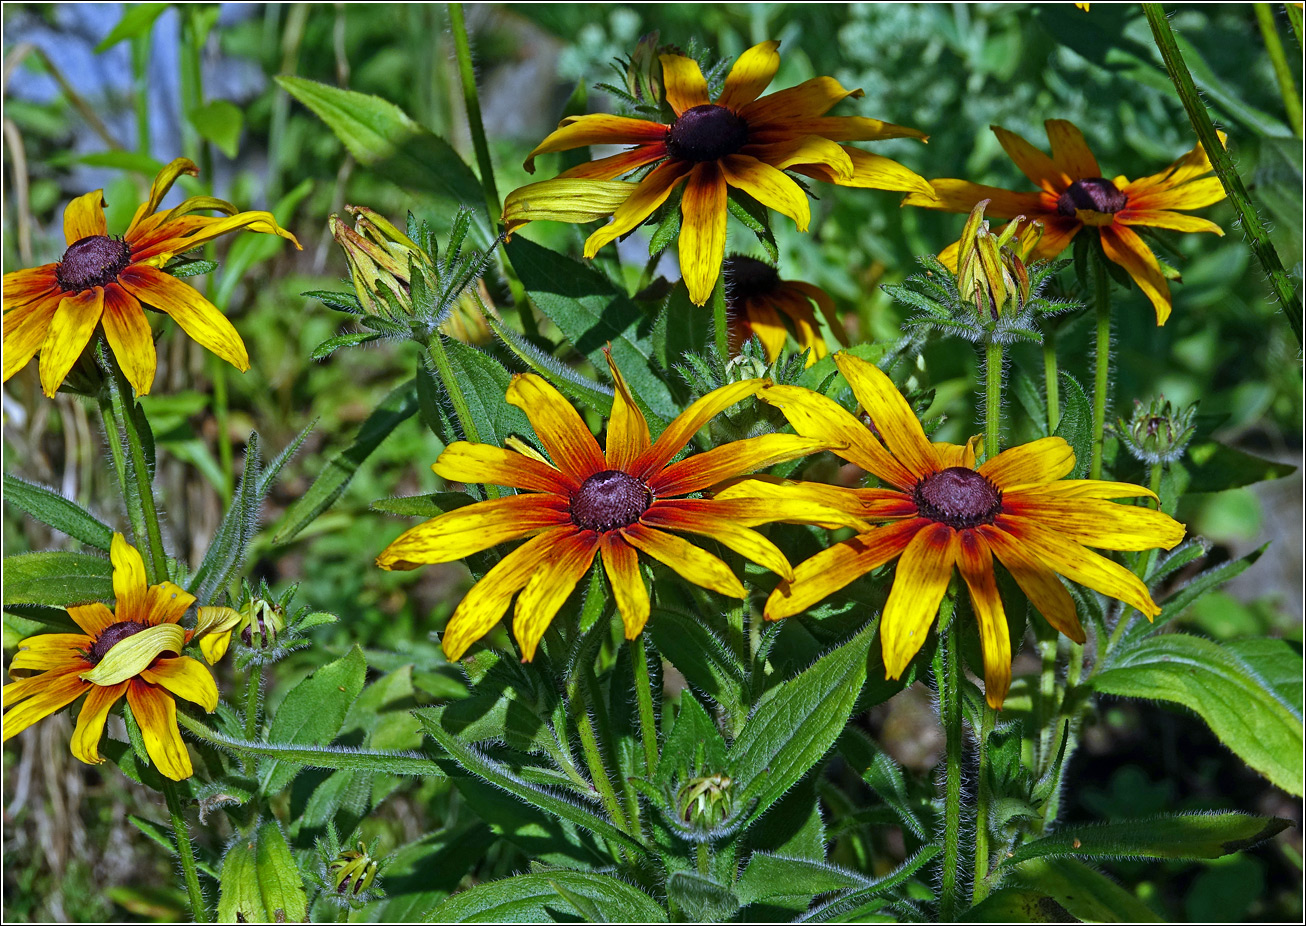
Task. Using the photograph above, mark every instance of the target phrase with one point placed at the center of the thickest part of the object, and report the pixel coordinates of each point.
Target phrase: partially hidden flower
(133, 651)
(943, 511)
(740, 140)
(103, 281)
(759, 302)
(616, 503)
(1073, 194)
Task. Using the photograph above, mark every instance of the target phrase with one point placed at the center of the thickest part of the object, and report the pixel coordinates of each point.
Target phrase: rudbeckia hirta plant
(758, 301)
(1073, 194)
(133, 650)
(617, 503)
(103, 281)
(740, 140)
(945, 512)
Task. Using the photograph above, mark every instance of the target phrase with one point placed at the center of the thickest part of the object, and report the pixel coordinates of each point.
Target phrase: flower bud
(644, 71)
(260, 622)
(991, 272)
(353, 871)
(705, 801)
(381, 261)
(1157, 432)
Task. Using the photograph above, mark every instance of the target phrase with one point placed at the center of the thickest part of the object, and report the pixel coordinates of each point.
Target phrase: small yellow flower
(756, 298)
(944, 511)
(133, 651)
(736, 140)
(103, 280)
(1074, 194)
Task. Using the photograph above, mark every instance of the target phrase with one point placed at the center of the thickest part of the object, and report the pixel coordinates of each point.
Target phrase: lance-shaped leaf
(49, 507)
(775, 876)
(1184, 835)
(1088, 895)
(57, 579)
(705, 662)
(700, 899)
(551, 896)
(260, 882)
(1013, 905)
(484, 382)
(837, 908)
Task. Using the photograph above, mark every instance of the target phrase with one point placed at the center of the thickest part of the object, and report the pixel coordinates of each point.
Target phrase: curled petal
(131, 655)
(564, 200)
(751, 74)
(198, 317)
(628, 436)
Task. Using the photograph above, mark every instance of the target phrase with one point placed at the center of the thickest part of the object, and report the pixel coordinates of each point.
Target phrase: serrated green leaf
(341, 302)
(485, 382)
(57, 579)
(694, 744)
(535, 898)
(1076, 424)
(49, 507)
(840, 907)
(573, 385)
(1202, 583)
(1215, 682)
(220, 122)
(1172, 836)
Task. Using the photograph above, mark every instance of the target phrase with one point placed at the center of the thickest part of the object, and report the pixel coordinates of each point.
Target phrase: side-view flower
(758, 301)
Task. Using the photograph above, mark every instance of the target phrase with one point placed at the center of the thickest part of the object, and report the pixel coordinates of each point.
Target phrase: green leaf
(57, 579)
(260, 882)
(796, 722)
(1172, 836)
(839, 907)
(424, 872)
(396, 408)
(423, 506)
(485, 381)
(380, 135)
(775, 876)
(700, 899)
(1200, 584)
(1086, 894)
(542, 897)
(566, 380)
(1076, 424)
(49, 507)
(683, 328)
(1011, 905)
(137, 20)
(165, 838)
(312, 713)
(695, 745)
(705, 662)
(220, 122)
(592, 313)
(348, 339)
(1213, 467)
(1277, 663)
(1213, 680)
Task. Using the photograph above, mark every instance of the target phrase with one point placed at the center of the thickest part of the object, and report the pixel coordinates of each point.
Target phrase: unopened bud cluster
(1157, 432)
(992, 276)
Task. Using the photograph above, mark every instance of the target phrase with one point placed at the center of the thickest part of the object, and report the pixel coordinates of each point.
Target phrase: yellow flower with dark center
(1073, 193)
(944, 511)
(737, 140)
(616, 504)
(103, 280)
(756, 299)
(132, 650)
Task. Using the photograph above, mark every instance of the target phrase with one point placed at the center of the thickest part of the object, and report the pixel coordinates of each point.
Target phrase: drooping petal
(549, 587)
(769, 186)
(836, 566)
(1123, 246)
(70, 331)
(698, 517)
(1065, 556)
(186, 678)
(1100, 524)
(31, 699)
(889, 412)
(214, 646)
(813, 415)
(25, 330)
(564, 200)
(50, 651)
(156, 714)
(648, 194)
(198, 317)
(1069, 150)
(129, 579)
(871, 172)
(733, 459)
(616, 165)
(560, 427)
(1040, 584)
(84, 217)
(794, 106)
(837, 128)
(1034, 164)
(824, 303)
(464, 531)
(794, 151)
(34, 284)
(90, 722)
(703, 230)
(806, 332)
(93, 617)
(1195, 195)
(128, 332)
(922, 577)
(621, 563)
(752, 73)
(165, 603)
(163, 183)
(951, 195)
(597, 129)
(975, 562)
(764, 321)
(1175, 221)
(482, 607)
(463, 461)
(628, 437)
(1044, 460)
(684, 83)
(257, 221)
(685, 425)
(690, 562)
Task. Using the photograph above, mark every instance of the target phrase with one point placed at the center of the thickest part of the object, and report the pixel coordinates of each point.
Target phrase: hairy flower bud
(353, 871)
(1157, 432)
(705, 801)
(991, 271)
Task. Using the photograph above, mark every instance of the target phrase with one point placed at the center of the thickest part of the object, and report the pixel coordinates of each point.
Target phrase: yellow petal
(733, 459)
(1122, 246)
(213, 620)
(1195, 195)
(93, 617)
(975, 562)
(1040, 584)
(470, 529)
(128, 332)
(786, 108)
(750, 75)
(32, 699)
(1044, 460)
(50, 652)
(889, 412)
(696, 516)
(558, 425)
(84, 217)
(1069, 150)
(129, 579)
(25, 330)
(1100, 524)
(70, 330)
(597, 129)
(795, 151)
(1034, 164)
(130, 656)
(156, 714)
(628, 436)
(164, 181)
(691, 563)
(648, 194)
(685, 425)
(684, 83)
(703, 230)
(564, 200)
(186, 678)
(873, 172)
(90, 722)
(463, 461)
(549, 587)
(1175, 221)
(770, 187)
(260, 222)
(922, 577)
(621, 563)
(198, 317)
(214, 646)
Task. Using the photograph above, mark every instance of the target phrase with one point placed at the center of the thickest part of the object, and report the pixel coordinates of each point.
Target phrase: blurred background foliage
(100, 95)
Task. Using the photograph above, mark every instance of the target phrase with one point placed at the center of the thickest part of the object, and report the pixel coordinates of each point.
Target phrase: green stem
(191, 58)
(139, 494)
(1257, 236)
(186, 852)
(140, 46)
(435, 348)
(253, 687)
(1052, 382)
(471, 100)
(720, 323)
(648, 724)
(221, 405)
(982, 802)
(292, 37)
(948, 678)
(589, 743)
(1145, 562)
(1295, 20)
(1047, 706)
(1282, 72)
(1101, 357)
(992, 399)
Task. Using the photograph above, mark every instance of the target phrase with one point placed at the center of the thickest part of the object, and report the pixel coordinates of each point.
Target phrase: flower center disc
(1095, 193)
(609, 500)
(747, 277)
(958, 497)
(114, 633)
(706, 133)
(92, 262)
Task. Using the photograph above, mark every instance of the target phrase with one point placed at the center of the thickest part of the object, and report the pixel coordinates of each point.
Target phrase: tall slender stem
(138, 490)
(719, 321)
(140, 47)
(982, 802)
(1257, 236)
(467, 74)
(947, 676)
(186, 852)
(1282, 72)
(1047, 702)
(1295, 20)
(1101, 358)
(648, 724)
(1052, 382)
(578, 695)
(192, 89)
(1144, 565)
(463, 411)
(992, 399)
(253, 688)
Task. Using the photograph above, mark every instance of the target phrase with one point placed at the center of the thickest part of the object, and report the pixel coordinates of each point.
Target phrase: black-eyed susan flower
(132, 650)
(1073, 193)
(103, 280)
(617, 504)
(945, 512)
(741, 140)
(758, 301)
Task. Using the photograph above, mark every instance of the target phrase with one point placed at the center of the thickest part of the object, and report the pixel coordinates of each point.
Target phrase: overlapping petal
(70, 331)
(922, 577)
(742, 456)
(84, 217)
(569, 559)
(128, 332)
(703, 229)
(156, 713)
(464, 531)
(890, 414)
(691, 562)
(558, 425)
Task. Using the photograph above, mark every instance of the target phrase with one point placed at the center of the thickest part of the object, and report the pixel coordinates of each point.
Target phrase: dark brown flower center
(92, 262)
(747, 277)
(958, 497)
(114, 633)
(609, 500)
(706, 133)
(1095, 193)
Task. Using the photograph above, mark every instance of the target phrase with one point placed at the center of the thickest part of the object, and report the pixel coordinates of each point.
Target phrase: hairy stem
(947, 676)
(1282, 72)
(720, 323)
(1052, 382)
(648, 724)
(992, 400)
(1101, 358)
(471, 99)
(983, 800)
(186, 852)
(138, 490)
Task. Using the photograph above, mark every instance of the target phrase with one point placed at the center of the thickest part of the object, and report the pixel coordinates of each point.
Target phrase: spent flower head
(1157, 432)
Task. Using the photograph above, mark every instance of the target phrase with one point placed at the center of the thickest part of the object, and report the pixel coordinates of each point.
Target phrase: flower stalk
(992, 399)
(1101, 359)
(982, 804)
(1282, 72)
(471, 99)
(948, 678)
(648, 724)
(1052, 382)
(134, 474)
(186, 852)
